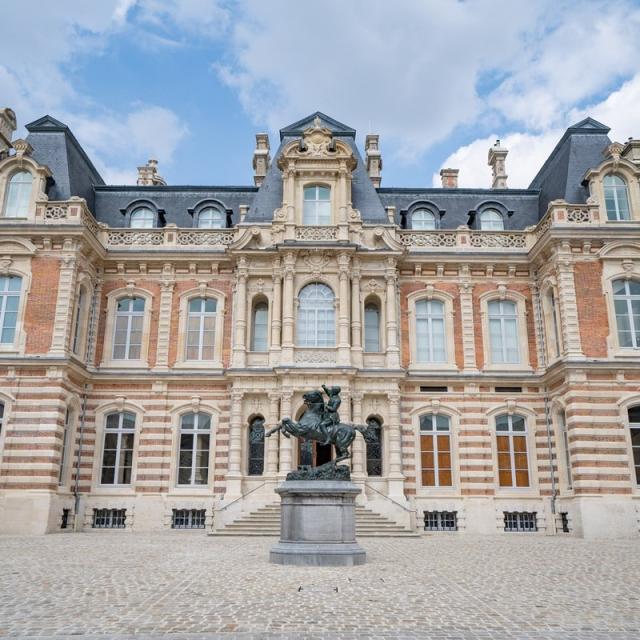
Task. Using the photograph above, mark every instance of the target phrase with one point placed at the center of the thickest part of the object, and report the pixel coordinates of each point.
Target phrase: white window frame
(112, 304)
(430, 318)
(5, 294)
(310, 214)
(615, 191)
(259, 302)
(316, 306)
(211, 217)
(129, 315)
(184, 299)
(563, 433)
(120, 431)
(491, 220)
(202, 316)
(195, 431)
(433, 434)
(370, 303)
(25, 194)
(421, 219)
(628, 298)
(8, 168)
(146, 215)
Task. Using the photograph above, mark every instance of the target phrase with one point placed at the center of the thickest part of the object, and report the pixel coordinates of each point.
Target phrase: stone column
(240, 320)
(286, 444)
(94, 321)
(288, 316)
(276, 315)
(164, 322)
(393, 352)
(396, 477)
(568, 305)
(343, 310)
(65, 303)
(356, 317)
(468, 329)
(234, 475)
(272, 442)
(359, 450)
(343, 222)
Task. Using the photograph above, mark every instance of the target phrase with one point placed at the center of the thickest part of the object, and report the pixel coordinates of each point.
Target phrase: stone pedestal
(318, 524)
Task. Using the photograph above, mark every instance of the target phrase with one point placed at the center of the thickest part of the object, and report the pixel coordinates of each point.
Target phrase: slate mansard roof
(579, 149)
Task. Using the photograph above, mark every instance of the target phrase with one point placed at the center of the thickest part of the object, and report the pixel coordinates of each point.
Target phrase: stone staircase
(266, 522)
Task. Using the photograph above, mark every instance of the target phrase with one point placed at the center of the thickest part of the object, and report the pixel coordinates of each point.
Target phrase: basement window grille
(434, 389)
(520, 521)
(564, 521)
(508, 389)
(440, 520)
(109, 518)
(64, 523)
(188, 519)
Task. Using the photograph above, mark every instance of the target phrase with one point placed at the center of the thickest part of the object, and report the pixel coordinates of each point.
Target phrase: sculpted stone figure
(321, 422)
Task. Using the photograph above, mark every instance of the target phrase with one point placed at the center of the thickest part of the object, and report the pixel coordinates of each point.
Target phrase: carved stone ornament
(316, 263)
(5, 263)
(22, 147)
(612, 151)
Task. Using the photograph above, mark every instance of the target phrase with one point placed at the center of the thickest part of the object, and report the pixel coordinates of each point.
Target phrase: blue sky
(191, 82)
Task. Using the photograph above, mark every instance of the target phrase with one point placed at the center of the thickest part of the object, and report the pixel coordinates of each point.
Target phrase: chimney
(149, 176)
(261, 158)
(374, 159)
(7, 127)
(449, 178)
(497, 155)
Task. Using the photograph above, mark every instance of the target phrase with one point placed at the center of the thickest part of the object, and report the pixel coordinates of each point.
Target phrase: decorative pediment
(249, 239)
(621, 250)
(16, 247)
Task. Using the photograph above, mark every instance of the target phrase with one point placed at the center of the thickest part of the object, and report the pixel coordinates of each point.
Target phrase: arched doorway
(313, 454)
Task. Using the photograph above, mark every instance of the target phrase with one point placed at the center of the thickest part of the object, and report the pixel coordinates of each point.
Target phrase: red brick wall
(41, 304)
(592, 309)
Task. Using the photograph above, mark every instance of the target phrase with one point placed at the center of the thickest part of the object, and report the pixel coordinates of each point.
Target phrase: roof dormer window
(211, 218)
(616, 198)
(491, 220)
(423, 219)
(317, 205)
(18, 195)
(142, 218)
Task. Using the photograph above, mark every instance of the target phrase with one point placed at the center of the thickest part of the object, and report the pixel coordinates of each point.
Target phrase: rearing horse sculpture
(341, 435)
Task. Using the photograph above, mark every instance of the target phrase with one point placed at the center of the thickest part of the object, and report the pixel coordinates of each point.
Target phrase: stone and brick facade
(149, 331)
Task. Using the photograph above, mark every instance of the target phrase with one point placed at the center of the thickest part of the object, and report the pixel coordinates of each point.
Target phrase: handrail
(244, 495)
(366, 484)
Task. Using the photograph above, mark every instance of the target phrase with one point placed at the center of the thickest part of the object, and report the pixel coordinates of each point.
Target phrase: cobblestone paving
(186, 586)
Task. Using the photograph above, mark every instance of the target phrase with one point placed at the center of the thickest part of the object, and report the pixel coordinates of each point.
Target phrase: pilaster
(272, 442)
(396, 477)
(234, 475)
(468, 327)
(568, 305)
(343, 310)
(286, 444)
(276, 315)
(288, 303)
(240, 322)
(359, 449)
(164, 321)
(65, 303)
(393, 351)
(356, 317)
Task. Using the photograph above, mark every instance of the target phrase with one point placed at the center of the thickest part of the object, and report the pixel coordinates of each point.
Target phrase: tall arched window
(65, 444)
(371, 327)
(373, 440)
(211, 218)
(201, 329)
(430, 334)
(79, 317)
(626, 301)
(511, 440)
(503, 332)
(616, 198)
(316, 316)
(260, 327)
(142, 218)
(317, 205)
(117, 453)
(256, 447)
(18, 195)
(435, 450)
(423, 219)
(10, 287)
(193, 460)
(127, 337)
(491, 220)
(634, 431)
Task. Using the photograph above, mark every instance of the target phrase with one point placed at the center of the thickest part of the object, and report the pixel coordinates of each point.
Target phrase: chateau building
(151, 334)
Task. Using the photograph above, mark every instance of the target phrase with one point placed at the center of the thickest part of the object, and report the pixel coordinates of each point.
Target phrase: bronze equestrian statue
(321, 423)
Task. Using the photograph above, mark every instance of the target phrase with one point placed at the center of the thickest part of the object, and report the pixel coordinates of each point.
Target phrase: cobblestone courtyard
(186, 585)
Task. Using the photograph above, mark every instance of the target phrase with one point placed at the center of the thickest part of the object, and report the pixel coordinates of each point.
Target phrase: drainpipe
(76, 488)
(547, 412)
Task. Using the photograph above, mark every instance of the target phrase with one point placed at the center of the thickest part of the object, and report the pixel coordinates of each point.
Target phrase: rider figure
(331, 417)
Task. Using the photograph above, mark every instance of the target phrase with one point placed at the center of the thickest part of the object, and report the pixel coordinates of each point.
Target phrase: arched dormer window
(491, 220)
(317, 205)
(316, 316)
(423, 220)
(18, 195)
(616, 198)
(211, 218)
(142, 218)
(626, 300)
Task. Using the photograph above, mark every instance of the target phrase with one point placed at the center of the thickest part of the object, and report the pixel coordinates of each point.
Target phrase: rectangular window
(430, 331)
(562, 424)
(127, 337)
(188, 519)
(193, 461)
(64, 523)
(109, 518)
(635, 447)
(10, 287)
(520, 521)
(117, 454)
(201, 329)
(511, 441)
(435, 450)
(440, 520)
(434, 389)
(503, 332)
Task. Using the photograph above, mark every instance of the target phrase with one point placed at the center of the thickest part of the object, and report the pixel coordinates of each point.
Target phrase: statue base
(327, 471)
(318, 524)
